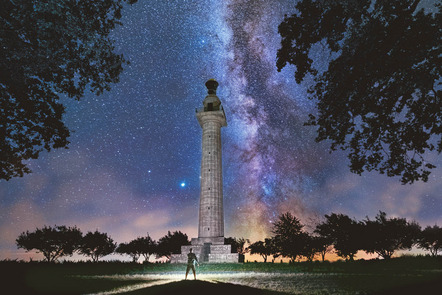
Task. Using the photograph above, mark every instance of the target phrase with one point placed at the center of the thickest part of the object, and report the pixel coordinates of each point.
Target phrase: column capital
(216, 116)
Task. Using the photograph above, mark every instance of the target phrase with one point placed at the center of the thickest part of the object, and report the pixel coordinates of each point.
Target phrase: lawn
(405, 275)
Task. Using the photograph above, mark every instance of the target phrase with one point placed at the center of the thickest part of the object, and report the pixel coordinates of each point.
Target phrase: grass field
(405, 275)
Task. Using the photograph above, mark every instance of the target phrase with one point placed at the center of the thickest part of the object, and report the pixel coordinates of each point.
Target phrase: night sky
(133, 162)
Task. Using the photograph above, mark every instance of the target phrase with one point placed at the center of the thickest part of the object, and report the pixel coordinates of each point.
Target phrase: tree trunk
(47, 256)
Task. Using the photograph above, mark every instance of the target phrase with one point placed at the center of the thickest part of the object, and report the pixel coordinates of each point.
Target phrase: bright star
(183, 184)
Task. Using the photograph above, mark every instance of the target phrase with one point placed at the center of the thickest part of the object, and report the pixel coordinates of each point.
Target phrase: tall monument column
(211, 215)
(209, 246)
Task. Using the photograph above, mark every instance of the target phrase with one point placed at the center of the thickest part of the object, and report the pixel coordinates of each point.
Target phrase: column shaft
(211, 216)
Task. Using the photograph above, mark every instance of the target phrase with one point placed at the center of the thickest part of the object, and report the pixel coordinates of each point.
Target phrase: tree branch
(414, 5)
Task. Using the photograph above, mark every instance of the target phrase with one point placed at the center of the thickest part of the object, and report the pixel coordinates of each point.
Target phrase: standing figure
(191, 261)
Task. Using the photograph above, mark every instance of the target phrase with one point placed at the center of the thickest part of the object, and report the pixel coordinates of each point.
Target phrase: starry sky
(133, 162)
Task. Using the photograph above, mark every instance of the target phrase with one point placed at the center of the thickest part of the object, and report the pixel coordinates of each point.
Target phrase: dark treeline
(336, 233)
(60, 241)
(346, 236)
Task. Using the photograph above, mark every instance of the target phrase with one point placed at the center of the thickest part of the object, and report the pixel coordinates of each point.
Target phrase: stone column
(209, 246)
(211, 214)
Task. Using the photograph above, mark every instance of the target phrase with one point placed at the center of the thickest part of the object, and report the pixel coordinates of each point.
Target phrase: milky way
(134, 146)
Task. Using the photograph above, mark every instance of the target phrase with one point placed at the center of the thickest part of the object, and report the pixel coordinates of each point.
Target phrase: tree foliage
(323, 245)
(171, 243)
(52, 242)
(96, 245)
(380, 95)
(344, 232)
(431, 239)
(289, 239)
(309, 246)
(147, 246)
(384, 236)
(238, 245)
(131, 249)
(263, 248)
(141, 246)
(50, 48)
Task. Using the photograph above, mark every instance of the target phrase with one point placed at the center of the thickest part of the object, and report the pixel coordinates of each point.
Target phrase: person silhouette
(191, 261)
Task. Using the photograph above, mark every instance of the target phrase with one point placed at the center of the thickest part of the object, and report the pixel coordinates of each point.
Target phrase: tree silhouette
(323, 240)
(171, 243)
(323, 246)
(309, 246)
(289, 239)
(47, 49)
(237, 245)
(132, 249)
(344, 232)
(384, 236)
(263, 248)
(146, 246)
(431, 239)
(380, 95)
(96, 245)
(52, 242)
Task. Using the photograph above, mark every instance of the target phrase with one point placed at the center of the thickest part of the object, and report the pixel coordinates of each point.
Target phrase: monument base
(207, 253)
(211, 240)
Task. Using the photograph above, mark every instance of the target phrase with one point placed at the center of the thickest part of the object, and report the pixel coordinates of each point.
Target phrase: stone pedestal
(207, 253)
(201, 252)
(221, 254)
(208, 240)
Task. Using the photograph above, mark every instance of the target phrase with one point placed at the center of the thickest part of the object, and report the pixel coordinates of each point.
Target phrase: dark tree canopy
(320, 245)
(146, 246)
(96, 245)
(237, 245)
(380, 97)
(132, 249)
(52, 242)
(287, 225)
(384, 236)
(289, 238)
(50, 48)
(323, 240)
(264, 248)
(141, 246)
(431, 239)
(345, 233)
(171, 243)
